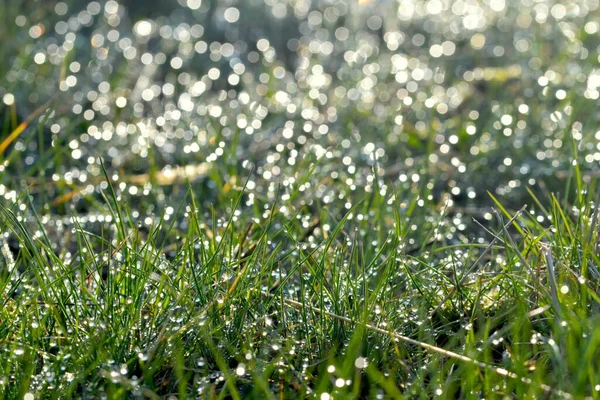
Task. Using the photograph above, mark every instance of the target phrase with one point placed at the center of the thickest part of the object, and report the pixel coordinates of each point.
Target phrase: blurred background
(459, 97)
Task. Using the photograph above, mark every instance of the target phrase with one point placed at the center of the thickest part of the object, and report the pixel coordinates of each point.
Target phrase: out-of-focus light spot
(143, 28)
(194, 4)
(478, 41)
(8, 99)
(36, 31)
(232, 15)
(39, 58)
(498, 5)
(121, 102)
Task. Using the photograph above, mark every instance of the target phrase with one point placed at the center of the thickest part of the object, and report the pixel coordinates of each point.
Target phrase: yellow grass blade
(66, 197)
(23, 125)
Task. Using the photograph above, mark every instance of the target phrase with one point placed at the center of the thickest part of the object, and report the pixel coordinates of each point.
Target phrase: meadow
(299, 199)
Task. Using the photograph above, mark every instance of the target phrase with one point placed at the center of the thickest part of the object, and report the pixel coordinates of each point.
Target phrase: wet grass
(262, 304)
(351, 202)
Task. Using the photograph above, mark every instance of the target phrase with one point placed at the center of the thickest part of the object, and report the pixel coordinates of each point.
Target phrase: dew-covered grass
(299, 199)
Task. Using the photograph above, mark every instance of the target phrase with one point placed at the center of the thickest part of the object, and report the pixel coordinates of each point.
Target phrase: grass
(315, 230)
(262, 306)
